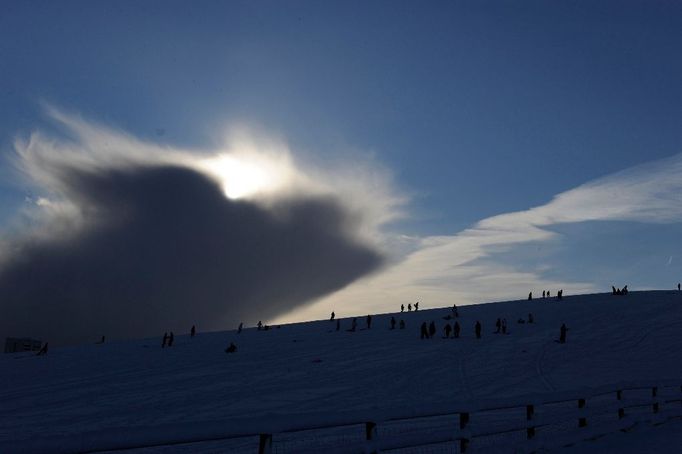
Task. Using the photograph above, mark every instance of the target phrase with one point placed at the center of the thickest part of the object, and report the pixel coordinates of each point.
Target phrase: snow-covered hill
(306, 372)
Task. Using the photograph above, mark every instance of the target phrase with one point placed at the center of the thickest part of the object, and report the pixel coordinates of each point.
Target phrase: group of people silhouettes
(548, 294)
(167, 340)
(624, 290)
(409, 307)
(429, 331)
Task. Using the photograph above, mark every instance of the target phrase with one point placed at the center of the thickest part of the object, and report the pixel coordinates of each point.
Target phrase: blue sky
(475, 108)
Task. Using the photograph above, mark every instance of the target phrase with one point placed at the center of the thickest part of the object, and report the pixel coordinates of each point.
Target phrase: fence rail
(523, 423)
(585, 415)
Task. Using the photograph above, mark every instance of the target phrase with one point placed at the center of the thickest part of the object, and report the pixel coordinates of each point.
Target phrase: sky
(470, 151)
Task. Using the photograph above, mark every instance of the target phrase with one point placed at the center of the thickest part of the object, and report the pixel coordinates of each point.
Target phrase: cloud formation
(132, 240)
(466, 268)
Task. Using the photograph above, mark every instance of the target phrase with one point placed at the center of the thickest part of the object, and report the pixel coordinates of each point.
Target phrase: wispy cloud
(462, 268)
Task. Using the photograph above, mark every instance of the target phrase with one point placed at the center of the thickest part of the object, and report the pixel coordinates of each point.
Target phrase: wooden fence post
(265, 444)
(463, 421)
(371, 437)
(582, 421)
(463, 444)
(530, 430)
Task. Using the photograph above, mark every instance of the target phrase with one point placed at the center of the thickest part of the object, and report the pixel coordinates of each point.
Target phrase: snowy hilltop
(195, 397)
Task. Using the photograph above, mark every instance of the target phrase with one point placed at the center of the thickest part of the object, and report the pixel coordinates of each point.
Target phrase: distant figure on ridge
(543, 293)
(260, 325)
(455, 330)
(402, 308)
(416, 306)
(478, 330)
(43, 351)
(369, 321)
(530, 296)
(678, 286)
(409, 307)
(625, 290)
(402, 324)
(424, 331)
(241, 325)
(548, 294)
(193, 331)
(392, 322)
(231, 349)
(562, 333)
(454, 311)
(165, 340)
(332, 317)
(432, 329)
(614, 290)
(448, 330)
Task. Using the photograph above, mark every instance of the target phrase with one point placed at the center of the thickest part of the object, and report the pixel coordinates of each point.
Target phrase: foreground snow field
(133, 393)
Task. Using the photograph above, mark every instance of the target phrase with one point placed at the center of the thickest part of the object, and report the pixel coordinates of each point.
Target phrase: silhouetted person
(43, 351)
(562, 333)
(392, 322)
(402, 324)
(613, 290)
(625, 290)
(543, 293)
(432, 329)
(193, 331)
(424, 331)
(454, 310)
(338, 325)
(333, 315)
(678, 286)
(548, 294)
(498, 325)
(448, 330)
(530, 318)
(165, 340)
(170, 339)
(402, 308)
(478, 330)
(416, 306)
(231, 349)
(530, 296)
(260, 325)
(369, 321)
(409, 307)
(241, 325)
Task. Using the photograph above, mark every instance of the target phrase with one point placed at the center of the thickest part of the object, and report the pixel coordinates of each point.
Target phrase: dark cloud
(162, 248)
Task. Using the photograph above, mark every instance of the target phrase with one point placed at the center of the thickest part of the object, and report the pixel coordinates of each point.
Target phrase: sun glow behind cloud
(241, 178)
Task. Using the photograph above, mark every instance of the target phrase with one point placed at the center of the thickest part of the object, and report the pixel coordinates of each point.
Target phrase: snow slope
(302, 373)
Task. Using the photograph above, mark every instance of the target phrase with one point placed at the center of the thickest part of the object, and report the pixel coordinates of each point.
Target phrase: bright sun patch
(241, 177)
